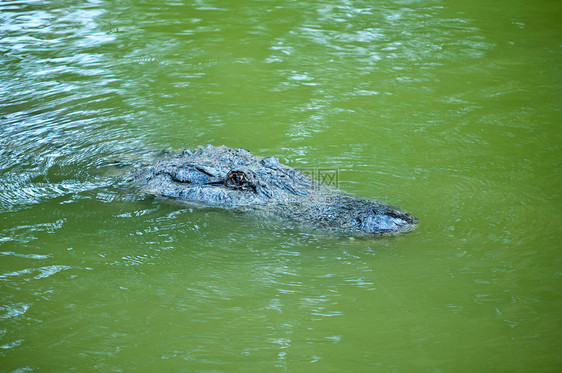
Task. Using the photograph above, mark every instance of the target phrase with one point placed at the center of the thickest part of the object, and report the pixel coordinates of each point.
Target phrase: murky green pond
(448, 109)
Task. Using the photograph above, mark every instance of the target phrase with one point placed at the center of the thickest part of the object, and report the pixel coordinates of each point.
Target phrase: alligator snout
(384, 220)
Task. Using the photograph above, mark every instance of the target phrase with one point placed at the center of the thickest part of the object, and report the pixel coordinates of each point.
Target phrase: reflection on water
(449, 110)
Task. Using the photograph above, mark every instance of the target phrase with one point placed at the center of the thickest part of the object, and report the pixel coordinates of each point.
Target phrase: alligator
(236, 179)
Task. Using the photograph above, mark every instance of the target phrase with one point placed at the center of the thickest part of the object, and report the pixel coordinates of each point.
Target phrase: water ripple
(26, 256)
(14, 310)
(58, 117)
(34, 273)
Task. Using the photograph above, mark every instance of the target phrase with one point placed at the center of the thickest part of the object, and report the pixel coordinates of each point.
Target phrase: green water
(448, 109)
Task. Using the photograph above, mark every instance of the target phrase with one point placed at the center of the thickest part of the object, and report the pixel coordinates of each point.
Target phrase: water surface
(449, 110)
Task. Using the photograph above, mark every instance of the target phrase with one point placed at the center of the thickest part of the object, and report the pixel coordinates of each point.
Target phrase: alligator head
(235, 178)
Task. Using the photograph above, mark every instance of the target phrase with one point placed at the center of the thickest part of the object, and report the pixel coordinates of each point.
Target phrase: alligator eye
(238, 180)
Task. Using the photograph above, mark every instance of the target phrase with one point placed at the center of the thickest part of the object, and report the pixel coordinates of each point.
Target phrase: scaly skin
(235, 178)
